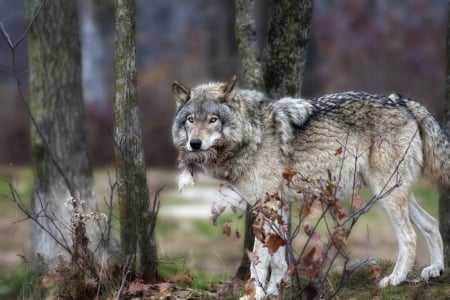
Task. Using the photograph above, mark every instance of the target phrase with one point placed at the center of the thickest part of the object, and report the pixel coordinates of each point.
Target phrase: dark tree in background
(137, 222)
(60, 164)
(277, 69)
(444, 200)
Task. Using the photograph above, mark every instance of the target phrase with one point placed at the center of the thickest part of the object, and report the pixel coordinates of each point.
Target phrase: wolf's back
(436, 146)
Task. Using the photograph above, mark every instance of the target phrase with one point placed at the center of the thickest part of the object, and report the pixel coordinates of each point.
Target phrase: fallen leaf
(375, 271)
(250, 289)
(136, 287)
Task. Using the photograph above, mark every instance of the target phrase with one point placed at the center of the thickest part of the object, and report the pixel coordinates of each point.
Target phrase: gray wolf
(248, 140)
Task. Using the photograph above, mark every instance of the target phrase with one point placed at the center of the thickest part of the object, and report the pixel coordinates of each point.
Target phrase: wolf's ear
(182, 94)
(228, 87)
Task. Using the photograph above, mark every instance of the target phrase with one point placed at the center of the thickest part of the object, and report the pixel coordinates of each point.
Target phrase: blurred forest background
(378, 46)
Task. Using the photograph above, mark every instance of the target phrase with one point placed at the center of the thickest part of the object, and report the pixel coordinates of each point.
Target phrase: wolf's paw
(431, 271)
(390, 280)
(258, 295)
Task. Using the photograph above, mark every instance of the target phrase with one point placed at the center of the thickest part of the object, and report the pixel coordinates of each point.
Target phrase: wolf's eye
(213, 120)
(190, 119)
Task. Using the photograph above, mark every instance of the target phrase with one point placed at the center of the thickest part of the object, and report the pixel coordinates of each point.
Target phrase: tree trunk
(136, 221)
(287, 42)
(278, 70)
(60, 163)
(444, 200)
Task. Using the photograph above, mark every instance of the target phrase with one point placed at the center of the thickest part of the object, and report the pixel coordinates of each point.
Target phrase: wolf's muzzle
(196, 144)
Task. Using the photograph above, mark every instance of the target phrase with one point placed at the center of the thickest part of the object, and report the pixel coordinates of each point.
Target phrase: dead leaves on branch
(312, 263)
(273, 243)
(321, 217)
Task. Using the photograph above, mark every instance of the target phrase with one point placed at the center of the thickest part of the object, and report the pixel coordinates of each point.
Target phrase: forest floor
(198, 255)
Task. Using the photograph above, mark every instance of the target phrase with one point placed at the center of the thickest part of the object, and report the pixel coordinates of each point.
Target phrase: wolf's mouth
(197, 156)
(217, 152)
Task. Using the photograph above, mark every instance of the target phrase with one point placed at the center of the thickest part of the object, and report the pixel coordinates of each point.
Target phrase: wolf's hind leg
(396, 206)
(260, 271)
(429, 228)
(279, 267)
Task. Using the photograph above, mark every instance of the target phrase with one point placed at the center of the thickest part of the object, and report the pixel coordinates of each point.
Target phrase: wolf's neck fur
(233, 167)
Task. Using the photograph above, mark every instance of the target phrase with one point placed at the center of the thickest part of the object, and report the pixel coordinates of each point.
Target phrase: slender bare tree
(137, 221)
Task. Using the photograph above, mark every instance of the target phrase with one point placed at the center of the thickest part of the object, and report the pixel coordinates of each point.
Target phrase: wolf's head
(202, 126)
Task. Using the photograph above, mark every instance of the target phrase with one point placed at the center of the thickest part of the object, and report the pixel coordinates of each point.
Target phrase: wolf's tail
(436, 146)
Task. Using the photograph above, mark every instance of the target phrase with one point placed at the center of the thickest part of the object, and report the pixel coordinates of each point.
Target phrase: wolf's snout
(196, 144)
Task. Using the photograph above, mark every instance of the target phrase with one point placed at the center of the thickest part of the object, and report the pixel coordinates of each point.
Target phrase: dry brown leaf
(311, 263)
(258, 227)
(216, 211)
(357, 202)
(136, 287)
(313, 234)
(226, 228)
(338, 151)
(182, 278)
(339, 236)
(250, 289)
(273, 242)
(288, 174)
(375, 271)
(306, 210)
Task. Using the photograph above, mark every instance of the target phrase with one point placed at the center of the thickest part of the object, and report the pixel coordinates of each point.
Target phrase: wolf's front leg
(260, 270)
(279, 266)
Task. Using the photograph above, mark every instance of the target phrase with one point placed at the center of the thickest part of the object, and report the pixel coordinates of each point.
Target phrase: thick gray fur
(249, 140)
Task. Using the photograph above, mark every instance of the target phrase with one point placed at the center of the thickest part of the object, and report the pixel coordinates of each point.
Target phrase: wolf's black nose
(196, 144)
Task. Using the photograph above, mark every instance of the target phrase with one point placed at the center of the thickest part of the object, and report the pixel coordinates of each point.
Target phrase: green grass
(18, 284)
(361, 285)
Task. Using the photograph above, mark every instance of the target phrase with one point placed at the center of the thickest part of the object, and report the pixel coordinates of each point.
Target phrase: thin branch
(35, 218)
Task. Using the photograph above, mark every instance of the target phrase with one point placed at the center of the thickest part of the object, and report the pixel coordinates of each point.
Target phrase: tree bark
(287, 41)
(60, 164)
(136, 221)
(278, 70)
(444, 200)
(245, 29)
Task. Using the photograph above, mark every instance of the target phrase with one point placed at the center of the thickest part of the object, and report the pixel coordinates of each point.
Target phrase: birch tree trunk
(444, 200)
(278, 70)
(60, 164)
(136, 221)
